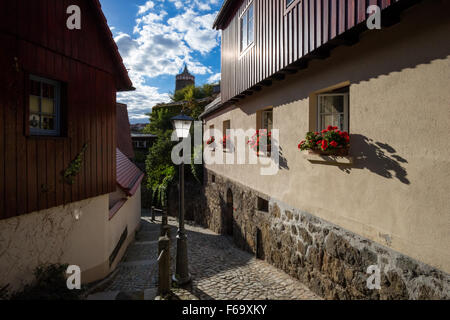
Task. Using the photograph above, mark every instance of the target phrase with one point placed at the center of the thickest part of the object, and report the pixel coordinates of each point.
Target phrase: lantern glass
(182, 128)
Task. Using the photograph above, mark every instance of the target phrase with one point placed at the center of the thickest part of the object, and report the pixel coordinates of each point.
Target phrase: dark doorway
(260, 254)
(229, 214)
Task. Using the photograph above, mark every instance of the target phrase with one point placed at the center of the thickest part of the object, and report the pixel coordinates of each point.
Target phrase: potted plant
(211, 140)
(259, 139)
(330, 141)
(225, 141)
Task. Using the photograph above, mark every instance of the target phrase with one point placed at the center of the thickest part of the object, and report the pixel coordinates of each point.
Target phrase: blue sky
(156, 38)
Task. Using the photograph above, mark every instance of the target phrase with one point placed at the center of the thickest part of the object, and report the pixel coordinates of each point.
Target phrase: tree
(161, 171)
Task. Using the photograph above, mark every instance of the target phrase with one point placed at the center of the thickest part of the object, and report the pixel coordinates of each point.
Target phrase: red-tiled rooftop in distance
(129, 177)
(123, 132)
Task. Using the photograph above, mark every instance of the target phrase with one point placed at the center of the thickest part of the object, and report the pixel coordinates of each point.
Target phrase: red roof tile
(123, 133)
(129, 177)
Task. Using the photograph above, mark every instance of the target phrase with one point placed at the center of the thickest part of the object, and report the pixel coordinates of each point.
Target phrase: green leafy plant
(161, 172)
(330, 140)
(197, 169)
(49, 284)
(74, 167)
(192, 92)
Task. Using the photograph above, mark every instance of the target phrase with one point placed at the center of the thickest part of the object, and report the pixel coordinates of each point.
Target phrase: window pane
(48, 123)
(340, 122)
(250, 25)
(35, 88)
(326, 120)
(48, 106)
(288, 2)
(34, 121)
(331, 104)
(244, 32)
(48, 91)
(34, 104)
(267, 120)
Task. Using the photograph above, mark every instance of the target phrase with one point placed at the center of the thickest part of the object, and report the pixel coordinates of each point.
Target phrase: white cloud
(215, 78)
(161, 46)
(146, 7)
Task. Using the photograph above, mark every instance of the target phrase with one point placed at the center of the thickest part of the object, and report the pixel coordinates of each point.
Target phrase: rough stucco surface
(331, 261)
(77, 234)
(48, 236)
(396, 192)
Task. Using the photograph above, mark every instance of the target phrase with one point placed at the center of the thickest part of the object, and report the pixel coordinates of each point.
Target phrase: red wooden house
(57, 137)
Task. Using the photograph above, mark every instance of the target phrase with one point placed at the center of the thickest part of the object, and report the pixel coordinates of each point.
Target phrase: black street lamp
(182, 124)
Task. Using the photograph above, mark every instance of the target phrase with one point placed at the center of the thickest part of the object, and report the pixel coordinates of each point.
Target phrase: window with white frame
(247, 22)
(44, 106)
(333, 110)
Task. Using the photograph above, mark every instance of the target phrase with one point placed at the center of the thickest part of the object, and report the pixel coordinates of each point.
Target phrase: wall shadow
(377, 157)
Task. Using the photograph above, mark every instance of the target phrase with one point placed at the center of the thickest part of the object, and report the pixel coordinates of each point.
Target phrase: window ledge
(116, 207)
(328, 159)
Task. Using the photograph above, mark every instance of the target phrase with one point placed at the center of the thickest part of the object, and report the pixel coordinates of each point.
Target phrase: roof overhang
(123, 81)
(226, 13)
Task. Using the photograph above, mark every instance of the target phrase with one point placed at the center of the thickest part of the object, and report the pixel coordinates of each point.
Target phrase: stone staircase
(136, 277)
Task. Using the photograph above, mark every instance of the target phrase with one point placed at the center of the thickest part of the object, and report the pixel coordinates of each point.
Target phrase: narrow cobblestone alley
(220, 271)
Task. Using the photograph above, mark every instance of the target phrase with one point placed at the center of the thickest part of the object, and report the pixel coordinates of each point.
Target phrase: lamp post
(182, 124)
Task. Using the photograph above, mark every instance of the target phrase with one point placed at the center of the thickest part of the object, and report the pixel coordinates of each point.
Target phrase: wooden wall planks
(283, 37)
(31, 167)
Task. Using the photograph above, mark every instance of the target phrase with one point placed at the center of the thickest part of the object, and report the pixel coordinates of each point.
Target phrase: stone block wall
(329, 260)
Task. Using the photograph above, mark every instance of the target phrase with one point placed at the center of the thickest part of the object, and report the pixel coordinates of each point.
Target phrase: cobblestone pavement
(219, 270)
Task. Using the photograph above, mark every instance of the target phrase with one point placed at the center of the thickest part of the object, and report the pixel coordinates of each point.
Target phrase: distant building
(184, 79)
(138, 127)
(142, 141)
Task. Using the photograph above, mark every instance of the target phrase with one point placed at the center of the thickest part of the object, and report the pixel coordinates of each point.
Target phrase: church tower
(184, 79)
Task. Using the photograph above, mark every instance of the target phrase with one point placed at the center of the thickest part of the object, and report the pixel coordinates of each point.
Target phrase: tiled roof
(129, 177)
(123, 133)
(215, 105)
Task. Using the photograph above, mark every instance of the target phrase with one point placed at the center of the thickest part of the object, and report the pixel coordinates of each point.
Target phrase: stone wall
(329, 260)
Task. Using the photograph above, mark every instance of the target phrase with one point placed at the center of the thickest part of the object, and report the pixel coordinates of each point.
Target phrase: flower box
(330, 141)
(340, 152)
(257, 145)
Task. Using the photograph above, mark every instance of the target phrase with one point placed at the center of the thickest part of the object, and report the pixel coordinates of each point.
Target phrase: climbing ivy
(74, 167)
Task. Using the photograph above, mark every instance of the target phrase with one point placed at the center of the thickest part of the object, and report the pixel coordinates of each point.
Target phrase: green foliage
(191, 92)
(49, 284)
(161, 172)
(139, 156)
(74, 167)
(160, 120)
(197, 169)
(159, 167)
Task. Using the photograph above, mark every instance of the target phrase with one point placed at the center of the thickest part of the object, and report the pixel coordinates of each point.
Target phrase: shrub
(49, 284)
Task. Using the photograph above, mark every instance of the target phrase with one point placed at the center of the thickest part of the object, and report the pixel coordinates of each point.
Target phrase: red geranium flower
(333, 144)
(324, 145)
(329, 128)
